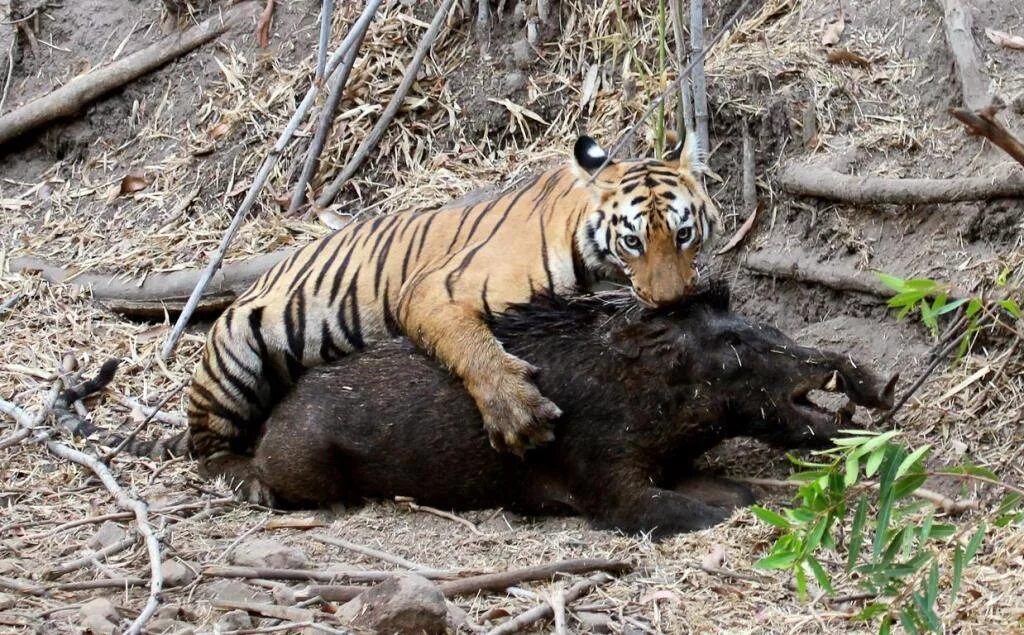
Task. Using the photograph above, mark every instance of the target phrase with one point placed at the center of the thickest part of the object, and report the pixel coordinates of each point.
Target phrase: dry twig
(75, 94)
(983, 122)
(335, 91)
(976, 88)
(370, 142)
(698, 81)
(823, 182)
(357, 576)
(544, 611)
(684, 109)
(411, 504)
(372, 553)
(505, 579)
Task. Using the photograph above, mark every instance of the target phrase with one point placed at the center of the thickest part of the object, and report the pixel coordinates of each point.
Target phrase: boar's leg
(715, 491)
(660, 512)
(301, 464)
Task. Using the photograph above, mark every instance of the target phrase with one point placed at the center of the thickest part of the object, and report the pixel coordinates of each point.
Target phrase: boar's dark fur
(643, 394)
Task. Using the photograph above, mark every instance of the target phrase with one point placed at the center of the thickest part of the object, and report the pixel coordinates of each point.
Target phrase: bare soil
(198, 128)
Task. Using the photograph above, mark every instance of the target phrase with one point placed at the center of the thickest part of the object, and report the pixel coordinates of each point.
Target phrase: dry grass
(207, 155)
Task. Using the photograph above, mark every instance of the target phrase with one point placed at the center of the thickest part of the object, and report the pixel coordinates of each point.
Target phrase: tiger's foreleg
(515, 414)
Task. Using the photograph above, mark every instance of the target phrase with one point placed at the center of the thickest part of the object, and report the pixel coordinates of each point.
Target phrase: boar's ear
(632, 340)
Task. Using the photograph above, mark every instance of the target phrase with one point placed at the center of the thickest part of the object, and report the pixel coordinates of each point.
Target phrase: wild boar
(643, 393)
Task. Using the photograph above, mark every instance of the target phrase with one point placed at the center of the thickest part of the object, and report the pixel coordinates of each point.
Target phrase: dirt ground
(197, 129)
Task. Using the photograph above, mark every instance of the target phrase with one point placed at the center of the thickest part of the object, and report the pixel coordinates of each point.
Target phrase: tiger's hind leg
(241, 475)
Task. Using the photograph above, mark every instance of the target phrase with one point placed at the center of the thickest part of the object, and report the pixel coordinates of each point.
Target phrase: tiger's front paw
(516, 416)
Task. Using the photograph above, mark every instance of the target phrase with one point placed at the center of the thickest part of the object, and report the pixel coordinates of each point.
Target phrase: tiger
(435, 275)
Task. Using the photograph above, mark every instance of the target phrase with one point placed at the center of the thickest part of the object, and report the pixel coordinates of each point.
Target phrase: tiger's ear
(590, 156)
(685, 152)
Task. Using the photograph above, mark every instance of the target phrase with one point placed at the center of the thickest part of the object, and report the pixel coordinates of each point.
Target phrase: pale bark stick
(974, 85)
(544, 611)
(684, 109)
(983, 123)
(335, 89)
(326, 15)
(822, 182)
(699, 85)
(370, 143)
(83, 89)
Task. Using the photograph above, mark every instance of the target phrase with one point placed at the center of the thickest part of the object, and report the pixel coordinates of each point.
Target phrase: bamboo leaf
(911, 459)
(783, 560)
(770, 517)
(958, 572)
(820, 575)
(857, 532)
(975, 543)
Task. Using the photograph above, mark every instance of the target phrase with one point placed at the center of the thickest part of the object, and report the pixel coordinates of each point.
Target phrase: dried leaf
(284, 522)
(589, 89)
(715, 558)
(1004, 39)
(152, 333)
(132, 183)
(263, 25)
(220, 130)
(332, 219)
(655, 596)
(845, 56)
(833, 32)
(741, 233)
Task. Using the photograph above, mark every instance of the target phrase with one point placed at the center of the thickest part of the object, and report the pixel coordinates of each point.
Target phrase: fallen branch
(803, 269)
(975, 87)
(411, 504)
(157, 292)
(505, 579)
(951, 506)
(359, 577)
(263, 25)
(326, 17)
(84, 89)
(87, 560)
(684, 109)
(147, 411)
(545, 611)
(373, 553)
(137, 507)
(268, 610)
(822, 182)
(250, 196)
(370, 142)
(983, 123)
(335, 91)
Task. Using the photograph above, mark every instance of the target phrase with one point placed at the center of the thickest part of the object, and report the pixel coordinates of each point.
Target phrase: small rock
(523, 53)
(268, 553)
(284, 595)
(170, 627)
(108, 534)
(594, 622)
(99, 607)
(176, 573)
(97, 625)
(234, 621)
(235, 591)
(513, 82)
(404, 604)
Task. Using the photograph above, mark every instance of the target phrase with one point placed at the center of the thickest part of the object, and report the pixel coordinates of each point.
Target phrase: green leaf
(926, 527)
(893, 282)
(975, 542)
(814, 537)
(819, 574)
(958, 572)
(908, 485)
(932, 584)
(973, 307)
(971, 470)
(911, 459)
(801, 583)
(1010, 306)
(922, 284)
(801, 515)
(857, 532)
(909, 620)
(943, 531)
(852, 468)
(894, 458)
(770, 517)
(875, 460)
(880, 440)
(951, 306)
(885, 628)
(870, 611)
(926, 614)
(783, 560)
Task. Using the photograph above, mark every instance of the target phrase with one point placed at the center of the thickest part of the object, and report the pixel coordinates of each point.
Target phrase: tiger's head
(648, 219)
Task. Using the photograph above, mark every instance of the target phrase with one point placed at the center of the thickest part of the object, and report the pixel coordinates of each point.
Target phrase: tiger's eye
(631, 241)
(684, 235)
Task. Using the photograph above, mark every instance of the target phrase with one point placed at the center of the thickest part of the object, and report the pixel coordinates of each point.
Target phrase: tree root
(157, 292)
(74, 95)
(822, 182)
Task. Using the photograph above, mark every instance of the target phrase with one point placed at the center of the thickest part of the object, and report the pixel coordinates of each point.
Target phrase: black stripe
(272, 377)
(384, 231)
(322, 274)
(215, 407)
(408, 253)
(352, 336)
(247, 393)
(295, 367)
(423, 235)
(390, 323)
(483, 298)
(382, 259)
(544, 255)
(468, 258)
(309, 263)
(338, 277)
(458, 230)
(353, 298)
(328, 350)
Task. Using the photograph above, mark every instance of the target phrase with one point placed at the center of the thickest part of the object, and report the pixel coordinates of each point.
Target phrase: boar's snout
(863, 386)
